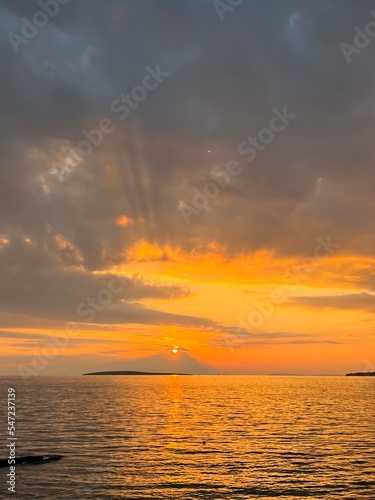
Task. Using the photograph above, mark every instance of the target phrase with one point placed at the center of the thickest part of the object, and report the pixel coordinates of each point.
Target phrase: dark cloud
(225, 79)
(45, 280)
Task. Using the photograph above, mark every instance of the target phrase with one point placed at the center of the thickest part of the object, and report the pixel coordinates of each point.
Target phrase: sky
(197, 174)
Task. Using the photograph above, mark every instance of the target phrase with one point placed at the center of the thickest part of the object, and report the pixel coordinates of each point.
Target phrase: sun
(175, 350)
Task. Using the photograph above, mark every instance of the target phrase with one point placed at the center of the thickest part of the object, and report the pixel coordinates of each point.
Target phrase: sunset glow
(205, 208)
(187, 249)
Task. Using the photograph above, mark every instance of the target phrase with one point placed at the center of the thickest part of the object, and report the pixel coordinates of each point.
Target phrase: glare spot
(124, 221)
(4, 241)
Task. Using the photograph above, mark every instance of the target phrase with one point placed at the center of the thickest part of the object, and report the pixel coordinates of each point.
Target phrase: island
(361, 374)
(133, 373)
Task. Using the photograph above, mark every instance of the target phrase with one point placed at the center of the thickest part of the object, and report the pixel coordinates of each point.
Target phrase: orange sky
(172, 178)
(256, 323)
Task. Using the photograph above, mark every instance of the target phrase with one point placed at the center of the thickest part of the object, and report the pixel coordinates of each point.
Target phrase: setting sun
(175, 350)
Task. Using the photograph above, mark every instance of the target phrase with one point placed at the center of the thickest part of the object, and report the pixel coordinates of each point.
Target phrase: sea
(193, 437)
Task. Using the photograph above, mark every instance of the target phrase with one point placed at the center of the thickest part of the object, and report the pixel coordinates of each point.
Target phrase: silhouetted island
(133, 373)
(361, 374)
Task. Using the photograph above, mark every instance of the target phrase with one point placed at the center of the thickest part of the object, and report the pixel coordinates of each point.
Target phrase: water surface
(140, 437)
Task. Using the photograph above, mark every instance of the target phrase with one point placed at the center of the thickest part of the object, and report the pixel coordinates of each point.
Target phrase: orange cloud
(124, 221)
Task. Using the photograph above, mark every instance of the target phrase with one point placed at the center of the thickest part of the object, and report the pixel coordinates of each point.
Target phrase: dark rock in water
(31, 460)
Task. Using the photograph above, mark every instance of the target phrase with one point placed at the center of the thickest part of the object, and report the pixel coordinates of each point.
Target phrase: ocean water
(142, 437)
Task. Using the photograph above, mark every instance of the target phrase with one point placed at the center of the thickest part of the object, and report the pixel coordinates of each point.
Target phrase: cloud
(38, 340)
(63, 288)
(233, 338)
(72, 71)
(357, 301)
(316, 178)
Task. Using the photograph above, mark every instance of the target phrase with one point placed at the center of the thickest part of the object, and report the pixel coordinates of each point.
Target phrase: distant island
(133, 373)
(361, 374)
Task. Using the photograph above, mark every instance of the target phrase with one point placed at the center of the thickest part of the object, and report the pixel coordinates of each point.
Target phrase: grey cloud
(225, 78)
(241, 343)
(360, 301)
(39, 339)
(34, 283)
